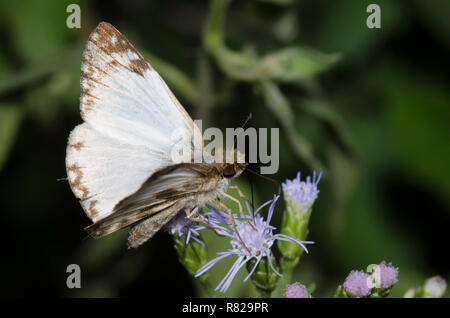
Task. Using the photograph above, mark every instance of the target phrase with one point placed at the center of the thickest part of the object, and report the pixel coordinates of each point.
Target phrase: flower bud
(300, 197)
(296, 290)
(410, 293)
(384, 276)
(358, 284)
(435, 287)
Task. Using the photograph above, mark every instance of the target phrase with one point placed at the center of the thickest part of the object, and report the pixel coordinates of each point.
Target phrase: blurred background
(368, 107)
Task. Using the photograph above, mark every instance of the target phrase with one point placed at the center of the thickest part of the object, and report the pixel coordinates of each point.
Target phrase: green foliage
(193, 256)
(368, 107)
(264, 278)
(294, 224)
(420, 136)
(10, 120)
(292, 63)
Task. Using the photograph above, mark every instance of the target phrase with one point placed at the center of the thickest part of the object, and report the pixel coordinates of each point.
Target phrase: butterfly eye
(229, 171)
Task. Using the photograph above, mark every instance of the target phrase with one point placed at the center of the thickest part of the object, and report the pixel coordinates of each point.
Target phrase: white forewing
(130, 117)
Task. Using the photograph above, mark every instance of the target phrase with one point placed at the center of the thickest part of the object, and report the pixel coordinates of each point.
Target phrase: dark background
(375, 119)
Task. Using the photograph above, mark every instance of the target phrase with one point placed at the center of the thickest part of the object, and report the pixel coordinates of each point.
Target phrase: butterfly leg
(190, 215)
(240, 206)
(232, 220)
(241, 194)
(241, 212)
(239, 191)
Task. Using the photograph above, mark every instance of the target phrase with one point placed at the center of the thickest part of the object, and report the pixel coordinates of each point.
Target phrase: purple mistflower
(388, 275)
(357, 284)
(296, 290)
(257, 236)
(180, 226)
(300, 195)
(435, 287)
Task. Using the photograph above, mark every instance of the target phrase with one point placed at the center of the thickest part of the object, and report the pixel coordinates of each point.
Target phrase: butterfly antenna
(250, 181)
(267, 178)
(249, 116)
(253, 198)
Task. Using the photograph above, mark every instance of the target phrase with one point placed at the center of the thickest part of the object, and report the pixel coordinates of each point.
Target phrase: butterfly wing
(171, 183)
(132, 124)
(169, 189)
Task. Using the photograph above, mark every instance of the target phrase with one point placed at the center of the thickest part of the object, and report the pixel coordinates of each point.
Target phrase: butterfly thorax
(230, 163)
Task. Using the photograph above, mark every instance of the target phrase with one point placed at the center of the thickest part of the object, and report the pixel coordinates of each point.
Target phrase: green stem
(339, 293)
(284, 281)
(265, 293)
(264, 278)
(193, 256)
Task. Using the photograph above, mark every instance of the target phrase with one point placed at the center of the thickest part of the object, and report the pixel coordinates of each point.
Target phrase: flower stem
(339, 293)
(284, 281)
(294, 224)
(264, 278)
(193, 256)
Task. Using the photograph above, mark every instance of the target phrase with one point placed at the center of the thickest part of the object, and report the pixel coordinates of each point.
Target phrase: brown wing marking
(145, 203)
(145, 196)
(98, 62)
(145, 230)
(115, 222)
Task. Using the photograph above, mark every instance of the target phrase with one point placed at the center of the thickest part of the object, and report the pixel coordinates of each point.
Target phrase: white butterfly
(119, 162)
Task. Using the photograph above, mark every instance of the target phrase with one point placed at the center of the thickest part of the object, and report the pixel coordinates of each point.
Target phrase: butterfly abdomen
(143, 231)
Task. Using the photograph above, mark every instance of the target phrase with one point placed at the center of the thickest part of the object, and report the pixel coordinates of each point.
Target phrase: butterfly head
(234, 167)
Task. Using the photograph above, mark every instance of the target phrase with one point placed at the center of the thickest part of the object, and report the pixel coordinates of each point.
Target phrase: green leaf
(286, 28)
(343, 175)
(280, 107)
(279, 2)
(288, 64)
(343, 26)
(39, 29)
(292, 64)
(10, 120)
(66, 65)
(20, 79)
(324, 112)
